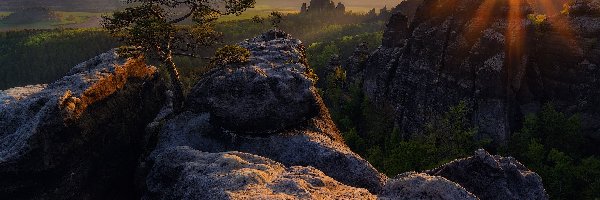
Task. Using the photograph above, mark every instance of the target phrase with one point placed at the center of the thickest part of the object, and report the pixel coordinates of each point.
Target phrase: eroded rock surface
(78, 137)
(493, 177)
(186, 173)
(491, 55)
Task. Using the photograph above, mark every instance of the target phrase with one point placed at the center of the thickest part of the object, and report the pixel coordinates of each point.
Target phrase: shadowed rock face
(79, 137)
(408, 8)
(493, 177)
(492, 56)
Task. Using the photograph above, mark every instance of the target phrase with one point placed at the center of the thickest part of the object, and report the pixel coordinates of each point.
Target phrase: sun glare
(481, 20)
(517, 12)
(559, 24)
(515, 34)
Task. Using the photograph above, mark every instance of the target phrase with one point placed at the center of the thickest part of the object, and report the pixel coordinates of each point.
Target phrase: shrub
(231, 54)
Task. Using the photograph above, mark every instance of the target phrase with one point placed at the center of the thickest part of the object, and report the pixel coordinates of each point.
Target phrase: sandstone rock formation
(407, 8)
(304, 8)
(323, 6)
(493, 177)
(186, 173)
(100, 133)
(354, 65)
(491, 55)
(79, 137)
(268, 107)
(270, 93)
(198, 156)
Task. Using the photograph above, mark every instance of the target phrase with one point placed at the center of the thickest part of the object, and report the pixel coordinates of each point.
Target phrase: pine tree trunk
(178, 97)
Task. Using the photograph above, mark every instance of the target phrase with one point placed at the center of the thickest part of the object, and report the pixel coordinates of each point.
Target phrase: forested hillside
(553, 141)
(108, 5)
(41, 56)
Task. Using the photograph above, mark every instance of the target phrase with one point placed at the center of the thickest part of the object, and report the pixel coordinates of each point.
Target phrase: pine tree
(154, 29)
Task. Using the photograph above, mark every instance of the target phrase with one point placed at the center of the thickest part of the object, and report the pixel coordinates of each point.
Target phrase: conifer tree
(161, 29)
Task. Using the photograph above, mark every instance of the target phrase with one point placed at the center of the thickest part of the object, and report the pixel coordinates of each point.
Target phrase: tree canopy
(160, 29)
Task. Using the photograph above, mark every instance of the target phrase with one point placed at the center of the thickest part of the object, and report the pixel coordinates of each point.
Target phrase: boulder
(412, 185)
(493, 177)
(271, 92)
(79, 137)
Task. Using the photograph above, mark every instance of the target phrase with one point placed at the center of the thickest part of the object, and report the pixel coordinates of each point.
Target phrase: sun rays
(518, 32)
(515, 33)
(482, 18)
(559, 24)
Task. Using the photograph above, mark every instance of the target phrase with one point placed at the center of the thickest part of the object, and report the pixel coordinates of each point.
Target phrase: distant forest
(63, 5)
(109, 5)
(42, 56)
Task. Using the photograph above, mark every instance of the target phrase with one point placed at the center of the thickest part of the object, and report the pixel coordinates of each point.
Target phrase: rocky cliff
(81, 136)
(256, 130)
(499, 57)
